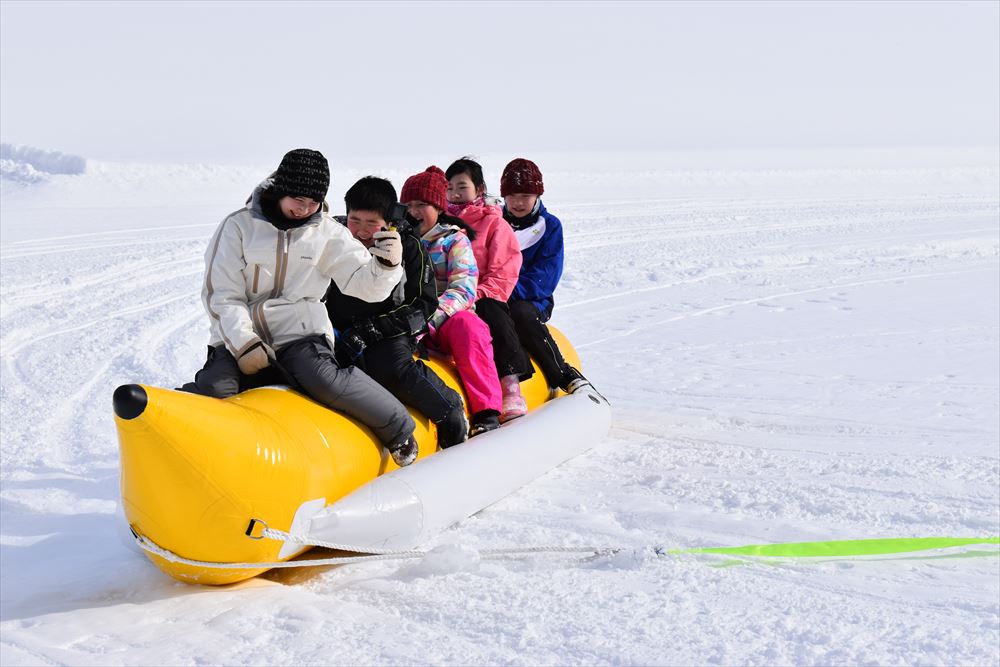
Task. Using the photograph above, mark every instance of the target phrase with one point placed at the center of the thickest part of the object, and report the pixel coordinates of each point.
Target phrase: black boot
(404, 453)
(483, 421)
(572, 380)
(453, 429)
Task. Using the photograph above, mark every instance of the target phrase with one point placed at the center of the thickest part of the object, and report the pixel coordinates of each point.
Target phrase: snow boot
(483, 421)
(453, 429)
(572, 380)
(514, 405)
(404, 453)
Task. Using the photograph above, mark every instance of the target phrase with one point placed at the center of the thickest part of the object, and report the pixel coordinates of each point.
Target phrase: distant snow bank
(569, 177)
(27, 164)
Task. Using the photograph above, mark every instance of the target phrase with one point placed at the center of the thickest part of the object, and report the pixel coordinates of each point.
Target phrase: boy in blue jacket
(539, 233)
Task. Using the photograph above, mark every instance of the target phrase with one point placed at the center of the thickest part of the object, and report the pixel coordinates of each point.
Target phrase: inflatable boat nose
(129, 401)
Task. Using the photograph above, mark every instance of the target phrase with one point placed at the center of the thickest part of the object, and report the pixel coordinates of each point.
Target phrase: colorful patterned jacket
(455, 269)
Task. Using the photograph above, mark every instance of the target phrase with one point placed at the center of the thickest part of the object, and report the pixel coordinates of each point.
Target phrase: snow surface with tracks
(797, 347)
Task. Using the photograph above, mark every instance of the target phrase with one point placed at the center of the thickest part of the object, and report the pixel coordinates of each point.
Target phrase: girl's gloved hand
(255, 359)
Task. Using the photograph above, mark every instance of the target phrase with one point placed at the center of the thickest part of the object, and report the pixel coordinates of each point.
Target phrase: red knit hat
(521, 177)
(429, 186)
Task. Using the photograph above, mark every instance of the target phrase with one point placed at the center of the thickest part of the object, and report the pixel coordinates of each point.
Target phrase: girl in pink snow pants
(454, 328)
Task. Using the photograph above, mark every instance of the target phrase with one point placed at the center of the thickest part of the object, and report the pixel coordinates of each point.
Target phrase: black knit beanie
(303, 173)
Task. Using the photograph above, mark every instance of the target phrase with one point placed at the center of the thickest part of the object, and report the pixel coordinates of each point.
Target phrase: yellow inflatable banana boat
(196, 470)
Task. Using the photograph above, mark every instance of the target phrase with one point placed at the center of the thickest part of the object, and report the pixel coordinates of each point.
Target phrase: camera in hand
(397, 213)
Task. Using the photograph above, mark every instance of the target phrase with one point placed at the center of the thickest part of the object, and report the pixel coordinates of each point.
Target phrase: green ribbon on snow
(842, 548)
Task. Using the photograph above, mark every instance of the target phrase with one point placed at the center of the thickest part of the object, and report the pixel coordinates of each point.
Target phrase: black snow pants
(508, 355)
(537, 340)
(390, 363)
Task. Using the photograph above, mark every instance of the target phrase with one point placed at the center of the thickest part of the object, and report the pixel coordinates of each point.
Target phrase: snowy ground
(797, 347)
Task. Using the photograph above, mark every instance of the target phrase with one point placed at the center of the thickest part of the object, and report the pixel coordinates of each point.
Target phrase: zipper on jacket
(256, 276)
(280, 269)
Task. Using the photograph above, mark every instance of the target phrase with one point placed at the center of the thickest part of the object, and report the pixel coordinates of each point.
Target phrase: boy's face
(461, 190)
(425, 214)
(362, 224)
(520, 204)
(298, 208)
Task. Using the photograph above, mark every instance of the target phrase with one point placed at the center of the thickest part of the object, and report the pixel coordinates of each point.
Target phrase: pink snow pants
(467, 339)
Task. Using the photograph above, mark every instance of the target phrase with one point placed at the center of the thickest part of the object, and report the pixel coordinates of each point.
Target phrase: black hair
(371, 193)
(458, 222)
(466, 165)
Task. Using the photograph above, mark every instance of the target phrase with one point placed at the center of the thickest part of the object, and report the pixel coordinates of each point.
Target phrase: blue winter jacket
(542, 261)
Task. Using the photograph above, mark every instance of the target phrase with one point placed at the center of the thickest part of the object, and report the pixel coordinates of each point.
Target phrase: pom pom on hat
(429, 186)
(521, 176)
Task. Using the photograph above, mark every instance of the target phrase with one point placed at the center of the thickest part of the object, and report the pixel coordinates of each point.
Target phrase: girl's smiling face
(461, 189)
(425, 215)
(298, 208)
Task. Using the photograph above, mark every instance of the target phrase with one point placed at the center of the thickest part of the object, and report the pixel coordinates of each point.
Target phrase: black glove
(354, 340)
(367, 331)
(350, 344)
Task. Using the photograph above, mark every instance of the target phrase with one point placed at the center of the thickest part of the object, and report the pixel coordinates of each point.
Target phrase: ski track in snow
(781, 369)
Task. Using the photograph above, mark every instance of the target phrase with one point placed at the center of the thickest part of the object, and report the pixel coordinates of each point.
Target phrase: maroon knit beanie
(521, 177)
(428, 186)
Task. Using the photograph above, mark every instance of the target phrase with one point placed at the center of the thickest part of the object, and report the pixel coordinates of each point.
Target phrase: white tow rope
(946, 547)
(365, 555)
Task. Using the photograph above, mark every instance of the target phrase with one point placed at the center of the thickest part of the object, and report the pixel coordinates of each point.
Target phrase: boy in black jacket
(380, 338)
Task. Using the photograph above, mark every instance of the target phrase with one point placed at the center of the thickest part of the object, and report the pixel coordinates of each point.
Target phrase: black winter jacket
(406, 311)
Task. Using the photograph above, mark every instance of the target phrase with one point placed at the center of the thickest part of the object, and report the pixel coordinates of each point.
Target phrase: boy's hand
(357, 338)
(255, 359)
(352, 345)
(388, 248)
(368, 332)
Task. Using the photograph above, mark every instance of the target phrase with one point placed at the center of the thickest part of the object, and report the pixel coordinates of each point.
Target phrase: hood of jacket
(439, 231)
(474, 211)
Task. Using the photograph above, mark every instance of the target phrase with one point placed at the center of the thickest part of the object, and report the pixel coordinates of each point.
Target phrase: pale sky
(249, 80)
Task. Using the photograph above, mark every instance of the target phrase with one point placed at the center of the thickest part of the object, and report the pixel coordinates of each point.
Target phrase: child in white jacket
(267, 267)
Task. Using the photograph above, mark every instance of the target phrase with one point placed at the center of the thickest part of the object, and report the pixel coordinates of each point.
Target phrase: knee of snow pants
(538, 341)
(508, 355)
(310, 362)
(391, 364)
(467, 339)
(219, 377)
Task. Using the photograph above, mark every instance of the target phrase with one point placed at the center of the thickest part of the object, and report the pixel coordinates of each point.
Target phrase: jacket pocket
(259, 272)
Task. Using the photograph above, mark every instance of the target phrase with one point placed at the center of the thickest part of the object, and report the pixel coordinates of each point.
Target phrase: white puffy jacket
(265, 284)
